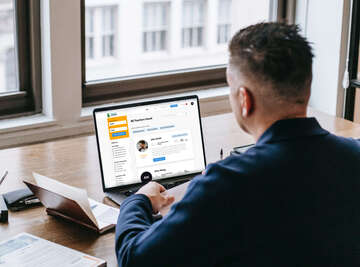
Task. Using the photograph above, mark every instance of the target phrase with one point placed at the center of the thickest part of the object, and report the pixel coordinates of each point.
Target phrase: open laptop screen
(149, 141)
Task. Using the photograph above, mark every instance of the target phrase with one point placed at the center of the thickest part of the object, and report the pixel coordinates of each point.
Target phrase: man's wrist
(139, 197)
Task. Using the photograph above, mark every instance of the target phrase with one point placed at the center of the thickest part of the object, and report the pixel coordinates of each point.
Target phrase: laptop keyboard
(167, 185)
(173, 184)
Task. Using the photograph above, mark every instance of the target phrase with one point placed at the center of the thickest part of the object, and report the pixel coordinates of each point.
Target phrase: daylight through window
(8, 66)
(128, 39)
(155, 26)
(224, 24)
(193, 23)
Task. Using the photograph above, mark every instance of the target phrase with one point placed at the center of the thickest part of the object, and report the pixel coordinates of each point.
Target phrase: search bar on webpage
(118, 129)
(114, 123)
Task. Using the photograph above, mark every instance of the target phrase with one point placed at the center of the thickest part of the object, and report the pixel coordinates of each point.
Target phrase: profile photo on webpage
(142, 146)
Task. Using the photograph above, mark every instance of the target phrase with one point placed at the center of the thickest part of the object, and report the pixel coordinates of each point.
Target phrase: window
(155, 24)
(20, 63)
(134, 48)
(108, 31)
(90, 33)
(193, 23)
(8, 72)
(352, 94)
(100, 30)
(224, 24)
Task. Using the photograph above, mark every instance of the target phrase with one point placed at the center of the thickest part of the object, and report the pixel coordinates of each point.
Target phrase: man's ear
(246, 101)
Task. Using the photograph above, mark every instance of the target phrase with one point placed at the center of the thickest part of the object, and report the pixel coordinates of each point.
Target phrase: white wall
(325, 24)
(64, 40)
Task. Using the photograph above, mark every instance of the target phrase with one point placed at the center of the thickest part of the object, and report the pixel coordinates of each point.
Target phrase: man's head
(142, 144)
(269, 73)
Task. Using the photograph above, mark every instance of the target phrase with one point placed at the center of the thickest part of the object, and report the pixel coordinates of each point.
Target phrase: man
(142, 146)
(291, 200)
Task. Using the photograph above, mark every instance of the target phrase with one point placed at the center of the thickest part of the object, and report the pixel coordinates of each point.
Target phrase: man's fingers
(167, 199)
(170, 199)
(157, 195)
(162, 188)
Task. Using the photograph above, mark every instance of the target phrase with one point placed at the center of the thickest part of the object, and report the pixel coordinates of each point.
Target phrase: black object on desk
(20, 199)
(3, 210)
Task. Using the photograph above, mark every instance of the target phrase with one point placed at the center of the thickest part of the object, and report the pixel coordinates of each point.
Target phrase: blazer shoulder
(239, 167)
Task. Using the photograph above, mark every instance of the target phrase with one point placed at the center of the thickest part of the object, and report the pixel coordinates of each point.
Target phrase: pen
(3, 178)
(221, 154)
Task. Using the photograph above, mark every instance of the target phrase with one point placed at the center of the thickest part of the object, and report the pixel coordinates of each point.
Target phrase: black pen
(3, 178)
(221, 154)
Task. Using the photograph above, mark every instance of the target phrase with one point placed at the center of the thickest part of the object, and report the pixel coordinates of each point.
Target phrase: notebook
(73, 204)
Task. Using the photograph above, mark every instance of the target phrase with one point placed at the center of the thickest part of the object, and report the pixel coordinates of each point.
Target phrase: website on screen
(152, 142)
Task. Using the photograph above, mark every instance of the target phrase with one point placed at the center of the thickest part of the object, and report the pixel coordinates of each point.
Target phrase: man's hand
(157, 195)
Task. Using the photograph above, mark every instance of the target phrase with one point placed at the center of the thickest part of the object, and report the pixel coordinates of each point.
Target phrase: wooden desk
(75, 162)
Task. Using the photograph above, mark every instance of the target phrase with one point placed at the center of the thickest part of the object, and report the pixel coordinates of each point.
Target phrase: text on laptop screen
(150, 142)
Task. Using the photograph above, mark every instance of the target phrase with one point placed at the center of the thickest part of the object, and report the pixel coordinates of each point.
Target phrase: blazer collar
(291, 128)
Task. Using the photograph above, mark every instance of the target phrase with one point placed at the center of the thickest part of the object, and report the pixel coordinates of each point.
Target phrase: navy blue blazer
(291, 200)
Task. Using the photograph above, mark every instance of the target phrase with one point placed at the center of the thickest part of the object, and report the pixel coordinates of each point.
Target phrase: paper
(70, 192)
(25, 250)
(104, 214)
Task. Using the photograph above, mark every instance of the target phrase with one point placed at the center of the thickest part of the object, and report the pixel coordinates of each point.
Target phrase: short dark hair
(275, 54)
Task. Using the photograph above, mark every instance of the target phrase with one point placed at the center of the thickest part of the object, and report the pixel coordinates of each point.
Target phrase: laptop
(158, 141)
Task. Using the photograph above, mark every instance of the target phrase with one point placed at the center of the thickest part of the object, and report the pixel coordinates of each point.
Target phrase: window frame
(28, 49)
(102, 91)
(353, 60)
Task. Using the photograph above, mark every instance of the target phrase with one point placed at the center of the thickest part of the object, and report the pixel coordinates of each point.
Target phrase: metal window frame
(102, 91)
(28, 47)
(353, 62)
(286, 11)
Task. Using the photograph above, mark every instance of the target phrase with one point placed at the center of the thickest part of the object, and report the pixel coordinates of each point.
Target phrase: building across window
(90, 33)
(8, 73)
(193, 23)
(155, 26)
(224, 21)
(100, 28)
(131, 40)
(108, 31)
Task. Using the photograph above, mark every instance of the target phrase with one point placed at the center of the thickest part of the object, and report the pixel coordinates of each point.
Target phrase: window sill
(207, 95)
(41, 128)
(25, 123)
